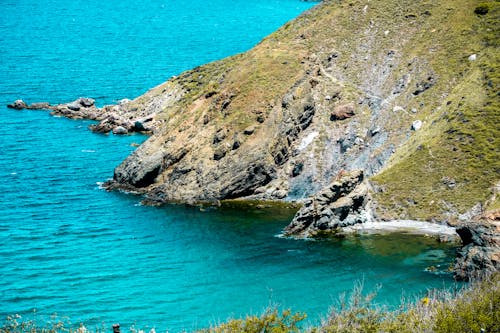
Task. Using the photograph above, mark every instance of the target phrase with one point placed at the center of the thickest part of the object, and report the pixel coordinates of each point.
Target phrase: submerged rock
(39, 106)
(340, 204)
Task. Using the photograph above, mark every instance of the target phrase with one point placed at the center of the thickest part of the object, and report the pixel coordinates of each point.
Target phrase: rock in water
(480, 254)
(120, 130)
(86, 102)
(340, 204)
(74, 106)
(18, 105)
(39, 106)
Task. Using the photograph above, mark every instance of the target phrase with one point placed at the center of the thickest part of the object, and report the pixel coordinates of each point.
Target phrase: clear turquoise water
(67, 246)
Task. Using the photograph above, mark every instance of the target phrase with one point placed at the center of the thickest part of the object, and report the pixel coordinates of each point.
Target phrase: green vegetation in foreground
(475, 308)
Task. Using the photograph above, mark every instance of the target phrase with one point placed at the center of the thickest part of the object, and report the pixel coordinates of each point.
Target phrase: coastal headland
(358, 111)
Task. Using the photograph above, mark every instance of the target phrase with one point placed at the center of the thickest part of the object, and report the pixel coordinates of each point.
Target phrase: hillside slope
(406, 91)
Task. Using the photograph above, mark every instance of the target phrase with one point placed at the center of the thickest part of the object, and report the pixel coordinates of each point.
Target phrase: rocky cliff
(405, 91)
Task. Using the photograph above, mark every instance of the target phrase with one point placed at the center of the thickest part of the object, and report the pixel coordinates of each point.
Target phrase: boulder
(342, 112)
(86, 102)
(120, 130)
(74, 106)
(18, 105)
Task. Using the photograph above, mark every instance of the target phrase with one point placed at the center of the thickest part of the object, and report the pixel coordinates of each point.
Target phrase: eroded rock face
(480, 254)
(340, 204)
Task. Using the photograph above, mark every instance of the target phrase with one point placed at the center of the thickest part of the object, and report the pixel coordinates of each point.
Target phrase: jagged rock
(18, 105)
(120, 130)
(342, 112)
(480, 254)
(338, 205)
(105, 126)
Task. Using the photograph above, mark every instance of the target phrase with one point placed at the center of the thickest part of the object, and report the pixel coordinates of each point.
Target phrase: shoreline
(445, 232)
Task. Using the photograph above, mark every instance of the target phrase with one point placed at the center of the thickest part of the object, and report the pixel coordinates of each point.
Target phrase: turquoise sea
(71, 248)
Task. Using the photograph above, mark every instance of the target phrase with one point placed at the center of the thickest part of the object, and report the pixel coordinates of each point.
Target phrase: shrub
(482, 9)
(269, 322)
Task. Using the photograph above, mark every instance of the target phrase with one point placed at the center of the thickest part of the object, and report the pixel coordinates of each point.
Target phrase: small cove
(69, 247)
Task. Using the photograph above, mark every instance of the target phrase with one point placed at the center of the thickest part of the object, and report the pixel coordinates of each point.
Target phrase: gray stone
(120, 130)
(74, 106)
(86, 102)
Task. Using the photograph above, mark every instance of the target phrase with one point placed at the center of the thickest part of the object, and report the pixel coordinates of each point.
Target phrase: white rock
(472, 57)
(307, 140)
(398, 108)
(416, 125)
(120, 130)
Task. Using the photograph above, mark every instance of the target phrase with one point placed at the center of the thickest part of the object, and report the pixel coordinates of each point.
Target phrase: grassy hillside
(454, 161)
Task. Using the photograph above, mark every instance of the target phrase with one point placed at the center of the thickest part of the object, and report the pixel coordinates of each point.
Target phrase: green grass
(460, 140)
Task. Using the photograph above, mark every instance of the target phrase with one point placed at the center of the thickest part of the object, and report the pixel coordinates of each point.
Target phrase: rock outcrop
(119, 118)
(340, 204)
(480, 254)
